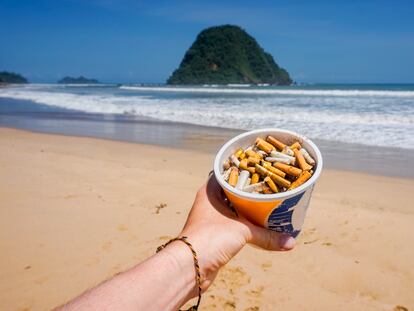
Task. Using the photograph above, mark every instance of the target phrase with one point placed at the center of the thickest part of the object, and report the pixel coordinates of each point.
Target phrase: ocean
(372, 115)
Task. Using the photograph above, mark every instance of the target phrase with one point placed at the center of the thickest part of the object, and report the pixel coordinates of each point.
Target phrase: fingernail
(286, 242)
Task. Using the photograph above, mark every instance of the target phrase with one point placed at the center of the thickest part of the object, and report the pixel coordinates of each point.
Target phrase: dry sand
(74, 211)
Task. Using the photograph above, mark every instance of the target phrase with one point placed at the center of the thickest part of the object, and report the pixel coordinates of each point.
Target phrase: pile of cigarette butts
(269, 166)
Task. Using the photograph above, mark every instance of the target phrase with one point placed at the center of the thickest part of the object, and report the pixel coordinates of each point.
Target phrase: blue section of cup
(281, 218)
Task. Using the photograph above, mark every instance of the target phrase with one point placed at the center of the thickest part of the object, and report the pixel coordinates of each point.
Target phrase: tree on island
(78, 80)
(228, 54)
(11, 77)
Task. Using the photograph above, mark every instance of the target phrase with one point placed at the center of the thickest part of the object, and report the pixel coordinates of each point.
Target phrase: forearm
(165, 281)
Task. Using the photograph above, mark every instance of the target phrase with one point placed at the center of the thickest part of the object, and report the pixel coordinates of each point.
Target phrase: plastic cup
(281, 212)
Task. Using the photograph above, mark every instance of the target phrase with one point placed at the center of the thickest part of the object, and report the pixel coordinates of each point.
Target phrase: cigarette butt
(265, 163)
(296, 145)
(277, 154)
(242, 156)
(271, 184)
(267, 190)
(253, 160)
(279, 180)
(226, 164)
(276, 159)
(301, 161)
(288, 151)
(234, 176)
(244, 164)
(263, 145)
(307, 156)
(301, 179)
(238, 152)
(226, 174)
(248, 180)
(262, 153)
(274, 170)
(288, 169)
(276, 178)
(257, 187)
(255, 178)
(241, 181)
(277, 143)
(252, 154)
(234, 159)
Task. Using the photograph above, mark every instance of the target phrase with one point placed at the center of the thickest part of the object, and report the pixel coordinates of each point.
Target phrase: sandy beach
(75, 211)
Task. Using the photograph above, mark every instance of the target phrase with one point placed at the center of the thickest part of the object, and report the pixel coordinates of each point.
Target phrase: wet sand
(74, 211)
(340, 156)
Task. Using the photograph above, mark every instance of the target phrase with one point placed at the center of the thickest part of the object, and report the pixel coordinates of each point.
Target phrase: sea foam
(377, 120)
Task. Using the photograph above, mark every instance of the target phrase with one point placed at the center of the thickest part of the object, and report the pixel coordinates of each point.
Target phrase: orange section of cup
(256, 212)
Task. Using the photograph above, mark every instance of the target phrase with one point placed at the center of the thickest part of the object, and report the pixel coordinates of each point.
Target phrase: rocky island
(11, 77)
(78, 80)
(228, 54)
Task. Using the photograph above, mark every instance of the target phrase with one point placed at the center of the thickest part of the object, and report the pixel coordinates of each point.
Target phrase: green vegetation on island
(228, 54)
(78, 80)
(11, 77)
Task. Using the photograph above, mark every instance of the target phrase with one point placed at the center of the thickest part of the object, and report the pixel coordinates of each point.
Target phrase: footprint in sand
(400, 308)
(266, 265)
(122, 228)
(107, 246)
(255, 308)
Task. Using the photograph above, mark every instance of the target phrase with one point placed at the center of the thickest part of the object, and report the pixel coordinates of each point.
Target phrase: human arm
(166, 280)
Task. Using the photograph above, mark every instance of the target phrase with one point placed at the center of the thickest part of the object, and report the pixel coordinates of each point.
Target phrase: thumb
(271, 240)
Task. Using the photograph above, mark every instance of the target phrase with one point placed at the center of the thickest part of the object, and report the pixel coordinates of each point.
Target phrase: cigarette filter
(277, 143)
(307, 156)
(244, 164)
(234, 159)
(242, 179)
(252, 154)
(288, 151)
(255, 178)
(288, 169)
(274, 170)
(271, 184)
(226, 164)
(234, 176)
(263, 145)
(248, 180)
(276, 159)
(226, 174)
(301, 160)
(253, 160)
(296, 145)
(238, 152)
(257, 187)
(301, 180)
(266, 189)
(279, 180)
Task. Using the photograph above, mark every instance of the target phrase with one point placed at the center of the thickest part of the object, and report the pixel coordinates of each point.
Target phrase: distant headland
(78, 80)
(228, 54)
(11, 77)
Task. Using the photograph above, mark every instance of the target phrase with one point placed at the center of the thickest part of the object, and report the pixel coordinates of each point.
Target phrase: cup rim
(267, 197)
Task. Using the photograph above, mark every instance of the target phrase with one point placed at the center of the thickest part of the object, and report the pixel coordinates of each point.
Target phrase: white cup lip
(267, 197)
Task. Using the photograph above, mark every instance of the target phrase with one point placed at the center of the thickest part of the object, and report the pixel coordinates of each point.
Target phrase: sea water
(375, 115)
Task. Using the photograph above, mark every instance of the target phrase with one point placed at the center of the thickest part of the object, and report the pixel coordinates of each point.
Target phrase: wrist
(180, 257)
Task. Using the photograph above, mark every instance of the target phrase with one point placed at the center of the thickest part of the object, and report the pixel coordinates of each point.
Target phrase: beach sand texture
(75, 211)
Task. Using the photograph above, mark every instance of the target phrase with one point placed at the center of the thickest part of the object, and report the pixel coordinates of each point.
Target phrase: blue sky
(144, 41)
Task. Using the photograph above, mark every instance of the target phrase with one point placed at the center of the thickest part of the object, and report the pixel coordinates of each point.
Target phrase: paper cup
(281, 212)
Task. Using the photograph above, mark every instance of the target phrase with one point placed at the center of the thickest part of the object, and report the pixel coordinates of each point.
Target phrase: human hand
(217, 234)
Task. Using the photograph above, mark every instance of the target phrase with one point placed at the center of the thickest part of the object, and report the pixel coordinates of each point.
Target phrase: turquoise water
(376, 115)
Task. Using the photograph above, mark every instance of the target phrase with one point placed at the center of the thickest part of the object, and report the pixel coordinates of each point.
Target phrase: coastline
(337, 155)
(75, 211)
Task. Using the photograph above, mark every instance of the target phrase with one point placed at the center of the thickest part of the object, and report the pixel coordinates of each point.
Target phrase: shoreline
(74, 211)
(340, 156)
